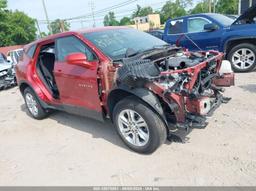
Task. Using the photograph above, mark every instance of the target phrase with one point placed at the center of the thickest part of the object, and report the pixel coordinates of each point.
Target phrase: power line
(98, 15)
(103, 10)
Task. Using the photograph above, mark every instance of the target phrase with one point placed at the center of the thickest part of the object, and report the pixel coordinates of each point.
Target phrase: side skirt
(81, 111)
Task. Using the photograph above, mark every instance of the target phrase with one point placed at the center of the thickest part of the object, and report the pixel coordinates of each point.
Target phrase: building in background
(147, 23)
(245, 4)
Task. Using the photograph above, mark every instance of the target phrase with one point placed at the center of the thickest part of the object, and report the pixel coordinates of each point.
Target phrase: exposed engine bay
(190, 83)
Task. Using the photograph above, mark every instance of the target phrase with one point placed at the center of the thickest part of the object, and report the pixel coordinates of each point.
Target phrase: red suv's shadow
(100, 130)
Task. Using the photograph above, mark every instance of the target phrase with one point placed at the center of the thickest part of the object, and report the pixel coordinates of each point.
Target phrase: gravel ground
(71, 150)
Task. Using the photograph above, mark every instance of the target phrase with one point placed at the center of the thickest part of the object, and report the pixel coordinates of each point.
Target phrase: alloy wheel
(243, 58)
(133, 128)
(31, 104)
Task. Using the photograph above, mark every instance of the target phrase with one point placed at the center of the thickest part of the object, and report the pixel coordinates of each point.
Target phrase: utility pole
(239, 7)
(38, 28)
(91, 4)
(210, 6)
(47, 18)
(62, 28)
(214, 6)
(82, 24)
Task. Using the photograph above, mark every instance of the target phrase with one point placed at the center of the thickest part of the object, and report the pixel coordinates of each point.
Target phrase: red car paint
(83, 97)
(80, 87)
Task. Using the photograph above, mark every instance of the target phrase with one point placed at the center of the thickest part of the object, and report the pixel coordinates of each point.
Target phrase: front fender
(228, 41)
(145, 95)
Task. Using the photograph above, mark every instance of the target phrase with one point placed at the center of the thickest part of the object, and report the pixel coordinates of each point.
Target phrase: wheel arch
(144, 95)
(235, 41)
(23, 85)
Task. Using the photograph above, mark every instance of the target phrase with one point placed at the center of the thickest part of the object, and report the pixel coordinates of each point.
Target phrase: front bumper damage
(190, 107)
(190, 84)
(7, 78)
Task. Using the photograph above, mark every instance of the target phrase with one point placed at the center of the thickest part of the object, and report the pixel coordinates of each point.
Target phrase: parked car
(237, 39)
(14, 56)
(157, 33)
(147, 89)
(7, 73)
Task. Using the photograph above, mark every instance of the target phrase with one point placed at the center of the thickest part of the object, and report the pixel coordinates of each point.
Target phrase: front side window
(176, 27)
(197, 24)
(71, 44)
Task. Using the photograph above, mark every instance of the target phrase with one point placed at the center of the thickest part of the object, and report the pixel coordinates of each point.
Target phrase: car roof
(81, 31)
(195, 15)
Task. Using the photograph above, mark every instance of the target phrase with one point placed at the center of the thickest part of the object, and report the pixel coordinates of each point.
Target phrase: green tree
(22, 27)
(227, 6)
(16, 27)
(3, 4)
(110, 20)
(126, 21)
(56, 26)
(201, 7)
(43, 34)
(142, 11)
(173, 9)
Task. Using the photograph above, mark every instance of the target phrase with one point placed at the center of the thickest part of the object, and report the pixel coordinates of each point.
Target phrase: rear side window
(31, 51)
(176, 27)
(71, 44)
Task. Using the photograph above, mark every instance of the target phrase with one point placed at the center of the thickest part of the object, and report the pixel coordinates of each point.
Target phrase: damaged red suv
(146, 87)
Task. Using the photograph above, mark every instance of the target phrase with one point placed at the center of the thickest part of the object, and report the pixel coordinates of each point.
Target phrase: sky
(62, 9)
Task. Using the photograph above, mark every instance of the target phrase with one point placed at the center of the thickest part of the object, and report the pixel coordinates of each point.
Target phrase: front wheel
(34, 107)
(243, 57)
(139, 127)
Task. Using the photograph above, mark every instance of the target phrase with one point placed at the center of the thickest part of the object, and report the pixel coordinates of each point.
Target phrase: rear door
(205, 40)
(77, 85)
(174, 31)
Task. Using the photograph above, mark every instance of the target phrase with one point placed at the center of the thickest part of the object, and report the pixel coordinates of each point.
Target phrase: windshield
(222, 19)
(115, 43)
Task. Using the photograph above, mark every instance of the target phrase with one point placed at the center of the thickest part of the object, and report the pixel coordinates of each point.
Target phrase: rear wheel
(139, 127)
(34, 107)
(243, 57)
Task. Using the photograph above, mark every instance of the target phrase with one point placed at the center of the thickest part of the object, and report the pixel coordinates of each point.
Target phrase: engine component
(182, 62)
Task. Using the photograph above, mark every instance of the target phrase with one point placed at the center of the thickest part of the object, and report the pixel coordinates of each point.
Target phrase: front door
(77, 85)
(198, 38)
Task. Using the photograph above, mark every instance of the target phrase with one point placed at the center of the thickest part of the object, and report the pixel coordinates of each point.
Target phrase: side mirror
(79, 59)
(210, 27)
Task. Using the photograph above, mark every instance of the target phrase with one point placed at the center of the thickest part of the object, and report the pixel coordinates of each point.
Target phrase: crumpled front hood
(249, 14)
(4, 66)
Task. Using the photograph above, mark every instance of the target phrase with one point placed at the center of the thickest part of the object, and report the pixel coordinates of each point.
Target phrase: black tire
(156, 127)
(236, 48)
(42, 113)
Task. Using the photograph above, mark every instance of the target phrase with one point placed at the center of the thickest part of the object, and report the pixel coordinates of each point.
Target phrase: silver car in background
(7, 73)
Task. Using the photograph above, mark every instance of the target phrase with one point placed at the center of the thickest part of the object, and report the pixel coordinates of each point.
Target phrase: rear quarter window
(176, 27)
(31, 51)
